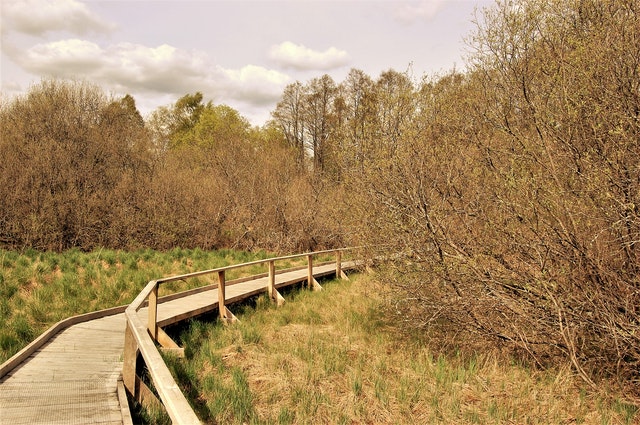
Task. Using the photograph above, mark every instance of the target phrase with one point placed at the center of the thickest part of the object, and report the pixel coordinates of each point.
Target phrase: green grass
(335, 357)
(331, 356)
(38, 289)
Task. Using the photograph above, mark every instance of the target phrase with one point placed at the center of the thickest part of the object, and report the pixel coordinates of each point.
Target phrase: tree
(289, 114)
(319, 116)
(513, 190)
(171, 126)
(65, 151)
(359, 98)
(217, 126)
(395, 107)
(185, 116)
(560, 87)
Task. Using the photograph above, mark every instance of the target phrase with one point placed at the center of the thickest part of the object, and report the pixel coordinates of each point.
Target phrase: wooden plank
(23, 354)
(125, 411)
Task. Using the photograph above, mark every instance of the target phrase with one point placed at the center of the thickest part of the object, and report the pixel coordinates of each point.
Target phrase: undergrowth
(335, 356)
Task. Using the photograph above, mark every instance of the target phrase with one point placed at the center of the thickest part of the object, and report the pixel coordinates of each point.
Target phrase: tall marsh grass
(335, 357)
(38, 289)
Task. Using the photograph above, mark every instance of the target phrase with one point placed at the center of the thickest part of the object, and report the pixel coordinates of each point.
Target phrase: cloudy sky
(240, 53)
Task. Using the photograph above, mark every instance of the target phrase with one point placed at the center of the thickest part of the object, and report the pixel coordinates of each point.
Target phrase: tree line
(79, 169)
(509, 193)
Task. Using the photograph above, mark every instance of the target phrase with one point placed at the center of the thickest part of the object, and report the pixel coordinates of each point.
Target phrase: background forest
(506, 198)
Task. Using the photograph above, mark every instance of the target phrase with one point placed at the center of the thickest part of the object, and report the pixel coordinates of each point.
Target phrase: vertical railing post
(274, 295)
(310, 277)
(272, 280)
(152, 325)
(221, 294)
(130, 358)
(225, 315)
(339, 273)
(311, 281)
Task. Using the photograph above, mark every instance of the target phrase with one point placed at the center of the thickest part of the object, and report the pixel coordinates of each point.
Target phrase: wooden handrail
(247, 264)
(141, 339)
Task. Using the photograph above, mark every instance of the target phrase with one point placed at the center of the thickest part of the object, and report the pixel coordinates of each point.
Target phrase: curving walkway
(73, 373)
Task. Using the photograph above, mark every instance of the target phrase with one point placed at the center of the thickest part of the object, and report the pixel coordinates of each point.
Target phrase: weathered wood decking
(75, 376)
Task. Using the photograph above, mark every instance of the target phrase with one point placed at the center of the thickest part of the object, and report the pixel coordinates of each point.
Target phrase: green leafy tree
(217, 126)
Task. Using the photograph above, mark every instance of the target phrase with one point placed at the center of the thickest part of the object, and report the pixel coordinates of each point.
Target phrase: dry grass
(333, 357)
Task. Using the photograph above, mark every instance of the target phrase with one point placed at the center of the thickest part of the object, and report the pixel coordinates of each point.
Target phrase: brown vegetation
(81, 170)
(507, 197)
(514, 191)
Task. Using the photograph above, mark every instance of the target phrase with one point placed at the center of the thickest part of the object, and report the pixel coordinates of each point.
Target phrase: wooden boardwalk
(75, 377)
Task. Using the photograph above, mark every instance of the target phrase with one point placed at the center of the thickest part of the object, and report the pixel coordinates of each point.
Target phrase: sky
(240, 53)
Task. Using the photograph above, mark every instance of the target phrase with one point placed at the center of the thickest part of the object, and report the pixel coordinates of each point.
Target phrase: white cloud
(62, 58)
(410, 12)
(10, 88)
(137, 69)
(255, 84)
(38, 17)
(299, 57)
(162, 69)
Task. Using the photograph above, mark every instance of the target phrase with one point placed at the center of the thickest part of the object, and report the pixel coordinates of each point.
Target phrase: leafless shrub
(513, 196)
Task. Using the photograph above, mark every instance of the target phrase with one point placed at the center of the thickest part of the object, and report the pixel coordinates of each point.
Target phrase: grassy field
(324, 357)
(38, 289)
(333, 357)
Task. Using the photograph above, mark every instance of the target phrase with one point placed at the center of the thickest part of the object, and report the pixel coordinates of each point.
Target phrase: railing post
(339, 273)
(152, 325)
(225, 315)
(272, 280)
(221, 290)
(310, 277)
(274, 295)
(130, 359)
(311, 281)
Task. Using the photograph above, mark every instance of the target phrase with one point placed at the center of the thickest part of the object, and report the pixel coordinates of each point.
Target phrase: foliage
(513, 195)
(80, 170)
(71, 164)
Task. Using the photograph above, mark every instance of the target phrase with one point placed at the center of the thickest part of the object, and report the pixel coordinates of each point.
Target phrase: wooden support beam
(279, 299)
(168, 344)
(146, 397)
(274, 295)
(152, 324)
(315, 286)
(178, 352)
(165, 340)
(228, 317)
(129, 361)
(340, 274)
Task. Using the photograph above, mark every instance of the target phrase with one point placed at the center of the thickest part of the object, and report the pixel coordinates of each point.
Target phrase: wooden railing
(141, 338)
